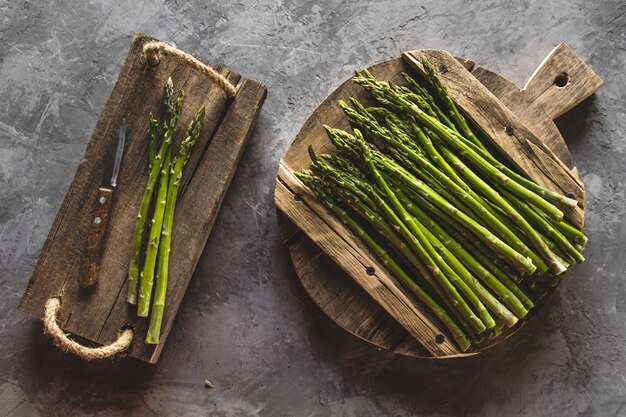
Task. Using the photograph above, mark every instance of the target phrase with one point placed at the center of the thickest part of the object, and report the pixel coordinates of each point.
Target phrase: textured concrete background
(246, 323)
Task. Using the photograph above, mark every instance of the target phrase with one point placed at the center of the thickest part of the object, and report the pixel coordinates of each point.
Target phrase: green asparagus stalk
(416, 245)
(424, 140)
(491, 302)
(174, 107)
(549, 195)
(153, 127)
(381, 226)
(345, 184)
(475, 248)
(512, 214)
(158, 305)
(326, 185)
(146, 280)
(443, 221)
(495, 221)
(385, 230)
(453, 227)
(508, 236)
(434, 155)
(476, 145)
(571, 232)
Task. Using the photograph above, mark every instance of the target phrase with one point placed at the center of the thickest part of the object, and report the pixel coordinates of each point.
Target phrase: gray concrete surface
(246, 323)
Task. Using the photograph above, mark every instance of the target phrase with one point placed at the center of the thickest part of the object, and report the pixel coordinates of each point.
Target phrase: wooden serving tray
(335, 267)
(99, 313)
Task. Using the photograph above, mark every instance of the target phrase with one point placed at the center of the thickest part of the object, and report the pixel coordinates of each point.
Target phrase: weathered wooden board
(99, 313)
(326, 281)
(560, 82)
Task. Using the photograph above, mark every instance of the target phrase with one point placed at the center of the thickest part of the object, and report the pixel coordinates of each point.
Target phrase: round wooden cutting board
(561, 82)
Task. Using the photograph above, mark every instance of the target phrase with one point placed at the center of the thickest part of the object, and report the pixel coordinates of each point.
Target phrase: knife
(100, 217)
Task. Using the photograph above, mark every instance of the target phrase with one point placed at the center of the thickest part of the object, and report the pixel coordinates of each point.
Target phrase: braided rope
(155, 49)
(68, 345)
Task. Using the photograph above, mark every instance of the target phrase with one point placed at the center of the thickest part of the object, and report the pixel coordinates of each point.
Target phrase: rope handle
(63, 342)
(155, 49)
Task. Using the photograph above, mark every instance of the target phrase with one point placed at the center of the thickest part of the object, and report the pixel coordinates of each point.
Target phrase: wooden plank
(354, 258)
(328, 286)
(522, 147)
(542, 125)
(287, 229)
(138, 90)
(317, 273)
(560, 83)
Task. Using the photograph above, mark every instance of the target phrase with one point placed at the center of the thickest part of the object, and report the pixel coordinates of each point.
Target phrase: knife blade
(100, 213)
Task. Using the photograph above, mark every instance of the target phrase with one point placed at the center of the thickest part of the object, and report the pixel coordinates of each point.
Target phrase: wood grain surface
(95, 237)
(333, 289)
(97, 315)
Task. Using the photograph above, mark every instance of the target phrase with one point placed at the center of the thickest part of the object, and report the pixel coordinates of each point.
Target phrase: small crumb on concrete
(208, 383)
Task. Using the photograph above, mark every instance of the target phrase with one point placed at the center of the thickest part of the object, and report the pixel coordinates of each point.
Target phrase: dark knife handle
(95, 237)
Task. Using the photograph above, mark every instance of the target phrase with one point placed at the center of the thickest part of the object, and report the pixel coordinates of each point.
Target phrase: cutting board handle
(561, 82)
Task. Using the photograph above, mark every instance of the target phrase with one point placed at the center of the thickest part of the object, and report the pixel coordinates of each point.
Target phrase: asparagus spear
(476, 145)
(549, 195)
(407, 127)
(491, 302)
(507, 234)
(326, 185)
(436, 213)
(494, 219)
(474, 247)
(511, 213)
(546, 226)
(158, 304)
(571, 232)
(174, 107)
(146, 279)
(153, 126)
(383, 228)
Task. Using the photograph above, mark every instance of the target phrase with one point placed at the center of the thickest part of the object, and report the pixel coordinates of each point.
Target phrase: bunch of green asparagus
(160, 195)
(473, 237)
